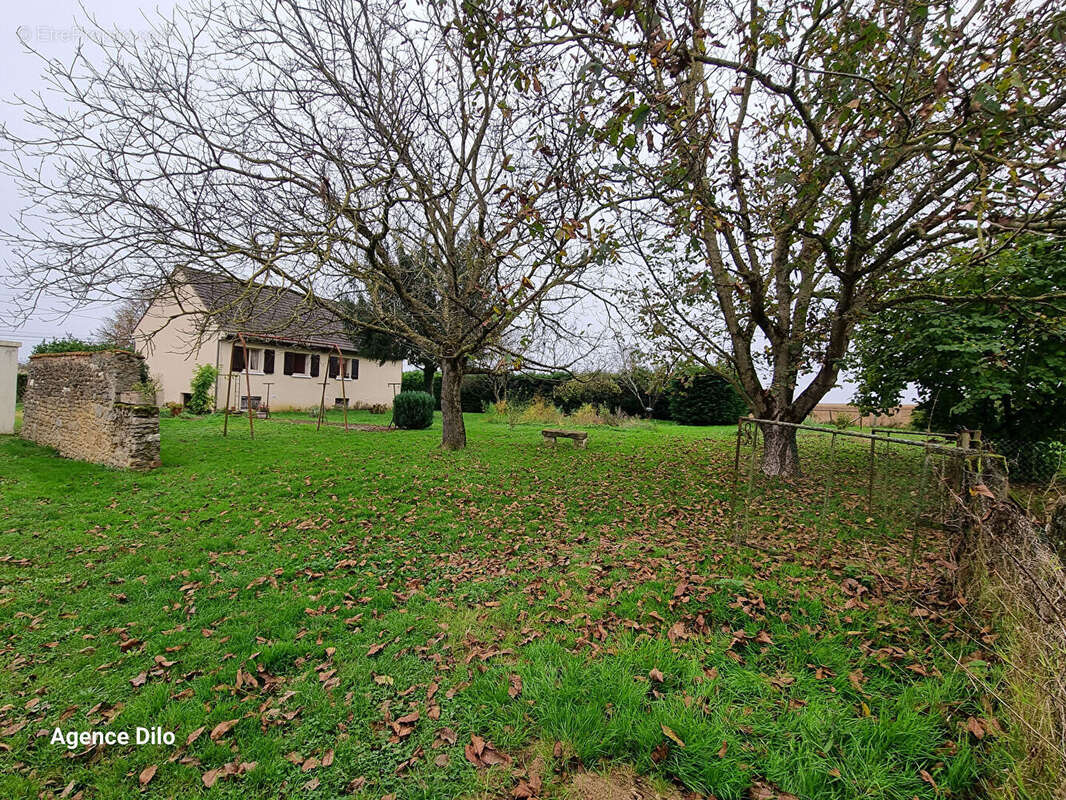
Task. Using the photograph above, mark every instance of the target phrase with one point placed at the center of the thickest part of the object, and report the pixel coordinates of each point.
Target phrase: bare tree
(790, 165)
(644, 369)
(298, 143)
(117, 330)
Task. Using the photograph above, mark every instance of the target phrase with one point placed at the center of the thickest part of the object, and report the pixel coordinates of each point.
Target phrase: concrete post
(9, 368)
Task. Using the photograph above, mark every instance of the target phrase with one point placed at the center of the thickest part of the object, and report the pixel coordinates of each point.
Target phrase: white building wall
(9, 367)
(166, 337)
(295, 392)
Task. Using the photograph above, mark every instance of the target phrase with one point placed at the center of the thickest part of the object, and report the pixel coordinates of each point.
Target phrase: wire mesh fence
(886, 483)
(1037, 471)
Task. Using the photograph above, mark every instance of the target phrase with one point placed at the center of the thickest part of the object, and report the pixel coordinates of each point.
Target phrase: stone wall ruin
(87, 405)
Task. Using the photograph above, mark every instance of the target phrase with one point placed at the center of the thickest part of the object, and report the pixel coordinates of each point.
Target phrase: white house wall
(169, 345)
(294, 392)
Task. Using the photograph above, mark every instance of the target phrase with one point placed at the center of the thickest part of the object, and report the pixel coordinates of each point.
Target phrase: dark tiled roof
(267, 312)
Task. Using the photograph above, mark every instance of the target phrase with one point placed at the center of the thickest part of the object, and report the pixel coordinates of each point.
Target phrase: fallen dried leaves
(482, 753)
(233, 769)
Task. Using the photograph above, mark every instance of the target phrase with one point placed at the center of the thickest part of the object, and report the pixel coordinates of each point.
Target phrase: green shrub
(506, 412)
(203, 381)
(373, 408)
(587, 415)
(21, 382)
(542, 412)
(412, 410)
(702, 397)
(595, 389)
(842, 421)
(68, 344)
(414, 381)
(477, 393)
(1030, 462)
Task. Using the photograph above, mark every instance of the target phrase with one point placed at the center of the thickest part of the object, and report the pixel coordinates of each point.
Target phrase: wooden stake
(225, 421)
(248, 375)
(322, 404)
(344, 394)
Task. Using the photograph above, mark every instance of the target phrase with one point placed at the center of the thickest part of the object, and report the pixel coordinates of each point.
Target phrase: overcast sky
(52, 27)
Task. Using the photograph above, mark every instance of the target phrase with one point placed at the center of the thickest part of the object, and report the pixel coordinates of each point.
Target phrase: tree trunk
(780, 454)
(451, 406)
(428, 372)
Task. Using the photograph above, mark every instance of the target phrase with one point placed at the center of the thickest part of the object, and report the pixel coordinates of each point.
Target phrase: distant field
(325, 614)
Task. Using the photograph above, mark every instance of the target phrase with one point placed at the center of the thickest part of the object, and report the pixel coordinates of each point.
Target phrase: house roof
(265, 312)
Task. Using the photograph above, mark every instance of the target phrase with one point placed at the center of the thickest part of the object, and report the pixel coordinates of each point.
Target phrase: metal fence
(900, 481)
(1037, 471)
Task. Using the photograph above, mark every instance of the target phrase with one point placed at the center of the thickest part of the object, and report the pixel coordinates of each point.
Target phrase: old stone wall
(85, 405)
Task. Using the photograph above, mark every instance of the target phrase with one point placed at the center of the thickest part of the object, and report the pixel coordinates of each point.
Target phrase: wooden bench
(579, 438)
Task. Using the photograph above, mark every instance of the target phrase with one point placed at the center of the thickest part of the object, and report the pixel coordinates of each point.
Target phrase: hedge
(696, 396)
(597, 389)
(477, 392)
(704, 398)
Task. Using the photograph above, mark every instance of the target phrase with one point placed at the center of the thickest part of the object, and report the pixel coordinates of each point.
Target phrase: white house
(294, 347)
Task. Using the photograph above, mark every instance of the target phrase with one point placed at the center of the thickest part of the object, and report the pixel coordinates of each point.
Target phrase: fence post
(920, 501)
(736, 456)
(225, 419)
(751, 480)
(873, 468)
(825, 496)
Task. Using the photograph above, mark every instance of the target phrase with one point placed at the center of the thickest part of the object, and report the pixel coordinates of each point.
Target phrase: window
(314, 366)
(351, 368)
(236, 362)
(268, 362)
(256, 400)
(295, 364)
(341, 402)
(255, 359)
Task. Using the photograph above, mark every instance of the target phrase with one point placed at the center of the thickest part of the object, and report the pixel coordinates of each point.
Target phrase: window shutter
(236, 362)
(334, 367)
(268, 362)
(314, 366)
(355, 368)
(287, 363)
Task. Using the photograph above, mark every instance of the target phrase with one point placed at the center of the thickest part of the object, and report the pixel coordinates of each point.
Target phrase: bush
(842, 421)
(702, 397)
(373, 408)
(1030, 462)
(203, 381)
(68, 344)
(414, 381)
(477, 393)
(588, 414)
(21, 381)
(412, 411)
(597, 389)
(541, 411)
(175, 409)
(525, 387)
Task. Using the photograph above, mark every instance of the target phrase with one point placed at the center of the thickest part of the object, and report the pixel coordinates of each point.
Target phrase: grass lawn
(362, 614)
